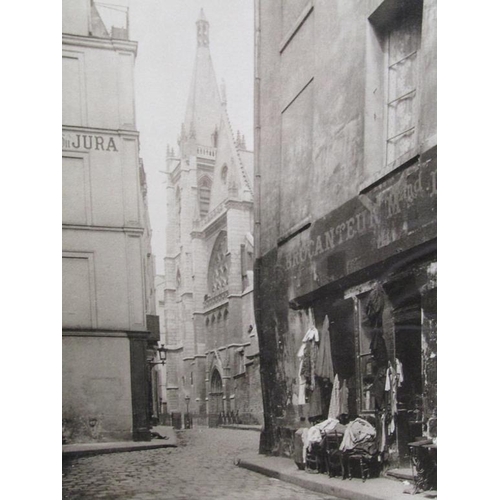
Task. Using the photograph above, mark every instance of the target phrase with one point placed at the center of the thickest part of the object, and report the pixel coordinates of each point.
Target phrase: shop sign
(88, 142)
(400, 211)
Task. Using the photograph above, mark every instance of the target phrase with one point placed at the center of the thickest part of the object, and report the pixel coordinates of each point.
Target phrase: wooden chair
(334, 463)
(315, 458)
(364, 461)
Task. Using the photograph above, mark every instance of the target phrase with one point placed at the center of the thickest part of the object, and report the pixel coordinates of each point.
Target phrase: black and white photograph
(249, 250)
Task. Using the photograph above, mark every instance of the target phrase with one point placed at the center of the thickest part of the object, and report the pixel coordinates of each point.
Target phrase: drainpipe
(257, 153)
(263, 446)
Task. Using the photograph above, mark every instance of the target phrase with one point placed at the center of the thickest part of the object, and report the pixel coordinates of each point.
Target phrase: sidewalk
(84, 449)
(380, 488)
(242, 427)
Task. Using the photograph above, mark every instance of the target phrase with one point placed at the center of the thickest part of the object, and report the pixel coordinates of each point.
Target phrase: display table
(423, 456)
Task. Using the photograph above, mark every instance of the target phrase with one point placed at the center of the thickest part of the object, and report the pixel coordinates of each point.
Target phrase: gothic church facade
(213, 373)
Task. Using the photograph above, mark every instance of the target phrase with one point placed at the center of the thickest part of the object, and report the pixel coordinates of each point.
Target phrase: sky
(166, 34)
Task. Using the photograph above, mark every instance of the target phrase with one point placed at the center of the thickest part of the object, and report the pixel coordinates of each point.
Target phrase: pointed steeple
(203, 110)
(202, 27)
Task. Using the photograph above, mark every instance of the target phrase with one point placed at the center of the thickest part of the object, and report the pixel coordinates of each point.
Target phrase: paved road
(201, 467)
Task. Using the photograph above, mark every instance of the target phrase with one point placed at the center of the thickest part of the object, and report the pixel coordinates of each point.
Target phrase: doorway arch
(216, 401)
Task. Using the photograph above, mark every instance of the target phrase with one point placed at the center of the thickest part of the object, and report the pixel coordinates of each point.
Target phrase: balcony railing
(206, 151)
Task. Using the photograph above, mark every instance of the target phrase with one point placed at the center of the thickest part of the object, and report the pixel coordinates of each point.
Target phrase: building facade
(345, 215)
(104, 261)
(213, 355)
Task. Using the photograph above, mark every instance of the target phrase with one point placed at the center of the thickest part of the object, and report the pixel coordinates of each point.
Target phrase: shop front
(363, 280)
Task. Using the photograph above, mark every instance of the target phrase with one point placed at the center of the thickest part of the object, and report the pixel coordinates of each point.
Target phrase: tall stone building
(345, 216)
(104, 259)
(213, 356)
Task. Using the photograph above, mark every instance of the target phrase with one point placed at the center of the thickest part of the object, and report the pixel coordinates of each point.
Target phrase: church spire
(203, 110)
(202, 28)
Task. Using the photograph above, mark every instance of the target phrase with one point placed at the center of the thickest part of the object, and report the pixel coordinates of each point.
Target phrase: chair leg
(362, 470)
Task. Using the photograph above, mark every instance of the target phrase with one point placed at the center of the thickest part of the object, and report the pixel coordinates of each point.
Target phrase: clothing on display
(315, 400)
(307, 354)
(324, 366)
(316, 433)
(399, 372)
(302, 385)
(379, 353)
(339, 398)
(383, 436)
(392, 382)
(334, 409)
(359, 434)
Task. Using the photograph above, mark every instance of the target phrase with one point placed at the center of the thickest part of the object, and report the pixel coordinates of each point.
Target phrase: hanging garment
(334, 409)
(383, 438)
(302, 386)
(315, 402)
(311, 334)
(375, 304)
(324, 365)
(307, 355)
(309, 364)
(378, 349)
(378, 388)
(399, 372)
(343, 398)
(391, 386)
(379, 353)
(357, 433)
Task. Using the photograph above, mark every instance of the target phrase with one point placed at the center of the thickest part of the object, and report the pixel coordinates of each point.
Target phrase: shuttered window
(403, 43)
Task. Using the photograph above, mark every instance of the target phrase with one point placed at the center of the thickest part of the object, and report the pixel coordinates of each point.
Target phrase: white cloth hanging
(333, 410)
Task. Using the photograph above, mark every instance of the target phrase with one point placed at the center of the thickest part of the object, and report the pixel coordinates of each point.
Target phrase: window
(76, 201)
(79, 308)
(218, 268)
(204, 195)
(73, 89)
(403, 43)
(392, 93)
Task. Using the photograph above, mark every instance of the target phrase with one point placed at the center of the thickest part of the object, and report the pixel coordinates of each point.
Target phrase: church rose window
(218, 269)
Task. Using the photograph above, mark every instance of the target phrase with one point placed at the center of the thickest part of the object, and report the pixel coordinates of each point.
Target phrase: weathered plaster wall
(96, 389)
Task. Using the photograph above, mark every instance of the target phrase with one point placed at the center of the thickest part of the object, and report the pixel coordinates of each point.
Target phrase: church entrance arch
(216, 400)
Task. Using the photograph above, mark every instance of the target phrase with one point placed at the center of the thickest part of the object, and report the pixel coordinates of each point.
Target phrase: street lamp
(162, 351)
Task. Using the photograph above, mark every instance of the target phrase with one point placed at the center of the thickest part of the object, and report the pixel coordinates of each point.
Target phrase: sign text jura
(88, 142)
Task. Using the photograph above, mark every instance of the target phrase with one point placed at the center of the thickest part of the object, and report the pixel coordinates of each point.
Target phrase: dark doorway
(341, 329)
(216, 401)
(408, 347)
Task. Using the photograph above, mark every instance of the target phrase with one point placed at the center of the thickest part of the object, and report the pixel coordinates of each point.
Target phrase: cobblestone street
(201, 467)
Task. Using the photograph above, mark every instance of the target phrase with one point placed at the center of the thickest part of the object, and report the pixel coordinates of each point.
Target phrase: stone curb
(88, 449)
(242, 427)
(321, 483)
